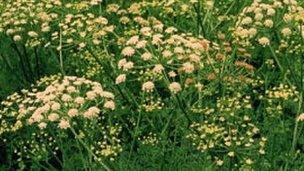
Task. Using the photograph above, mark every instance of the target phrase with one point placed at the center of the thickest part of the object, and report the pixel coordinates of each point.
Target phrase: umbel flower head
(62, 100)
(56, 23)
(60, 107)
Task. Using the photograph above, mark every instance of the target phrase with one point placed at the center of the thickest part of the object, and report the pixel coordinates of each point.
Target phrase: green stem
(88, 149)
(60, 53)
(295, 132)
(15, 47)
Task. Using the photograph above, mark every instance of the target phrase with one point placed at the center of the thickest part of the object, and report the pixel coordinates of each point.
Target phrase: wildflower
(211, 76)
(55, 106)
(146, 31)
(109, 105)
(172, 74)
(129, 65)
(42, 125)
(73, 112)
(264, 41)
(91, 95)
(188, 67)
(175, 87)
(194, 58)
(286, 32)
(79, 100)
(107, 94)
(219, 162)
(199, 87)
(121, 63)
(261, 151)
(120, 79)
(53, 117)
(64, 124)
(17, 38)
(268, 23)
(32, 34)
(91, 112)
(158, 69)
(146, 56)
(179, 50)
(252, 32)
(247, 20)
(209, 4)
(156, 40)
(36, 117)
(66, 98)
(300, 117)
(248, 161)
(96, 41)
(70, 40)
(141, 44)
(133, 40)
(170, 30)
(128, 51)
(231, 154)
(270, 11)
(82, 45)
(71, 89)
(258, 16)
(148, 86)
(167, 53)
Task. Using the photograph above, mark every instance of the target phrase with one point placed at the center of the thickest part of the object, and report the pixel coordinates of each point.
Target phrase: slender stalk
(37, 62)
(27, 61)
(199, 19)
(6, 62)
(15, 47)
(60, 53)
(181, 106)
(171, 113)
(295, 132)
(88, 149)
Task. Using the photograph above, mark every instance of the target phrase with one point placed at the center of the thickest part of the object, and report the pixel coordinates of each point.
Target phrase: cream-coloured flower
(175, 87)
(219, 162)
(158, 68)
(53, 117)
(286, 32)
(188, 67)
(109, 105)
(91, 95)
(66, 98)
(300, 117)
(268, 23)
(17, 38)
(92, 112)
(79, 100)
(264, 41)
(121, 63)
(146, 56)
(73, 112)
(55, 106)
(129, 65)
(128, 51)
(64, 124)
(172, 74)
(148, 86)
(120, 79)
(42, 125)
(248, 161)
(133, 40)
(32, 34)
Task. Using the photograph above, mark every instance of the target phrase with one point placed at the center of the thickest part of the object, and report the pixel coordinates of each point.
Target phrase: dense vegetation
(151, 85)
